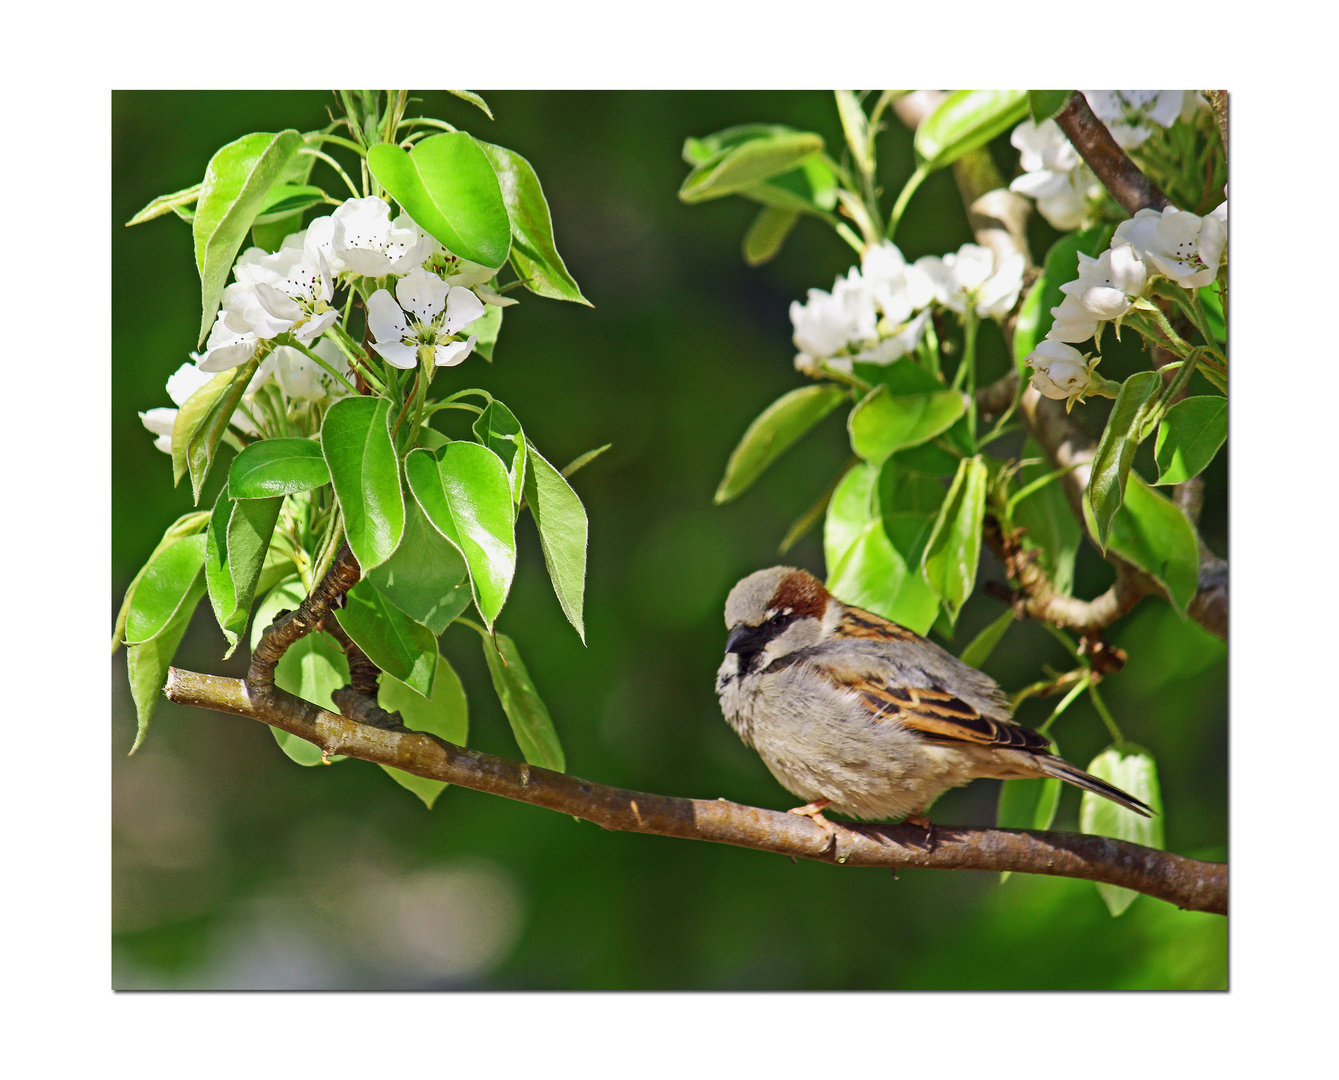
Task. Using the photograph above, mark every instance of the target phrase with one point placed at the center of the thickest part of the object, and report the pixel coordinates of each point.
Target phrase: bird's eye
(779, 619)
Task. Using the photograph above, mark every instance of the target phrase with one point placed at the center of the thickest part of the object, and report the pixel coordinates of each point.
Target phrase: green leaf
(237, 181)
(356, 443)
(855, 126)
(1189, 437)
(884, 423)
(1043, 104)
(775, 429)
(1211, 299)
(696, 151)
(447, 185)
(426, 577)
(1052, 530)
(809, 189)
(498, 429)
(466, 494)
(1152, 532)
(167, 583)
(1062, 265)
(767, 233)
(203, 443)
(474, 99)
(865, 567)
(286, 200)
(1132, 769)
(485, 330)
(954, 548)
(186, 525)
(148, 661)
(191, 415)
(445, 714)
(965, 121)
(749, 163)
(277, 467)
(269, 234)
(1115, 453)
(167, 204)
(533, 254)
(530, 720)
(397, 644)
(313, 667)
(582, 460)
(561, 521)
(978, 652)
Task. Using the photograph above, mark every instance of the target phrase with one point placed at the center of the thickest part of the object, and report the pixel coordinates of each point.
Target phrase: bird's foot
(814, 811)
(922, 822)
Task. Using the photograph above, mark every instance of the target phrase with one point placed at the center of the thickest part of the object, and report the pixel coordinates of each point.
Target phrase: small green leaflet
(775, 430)
(1132, 769)
(530, 720)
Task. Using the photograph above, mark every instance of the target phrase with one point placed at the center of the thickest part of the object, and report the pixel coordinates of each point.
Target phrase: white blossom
(1131, 114)
(1176, 244)
(360, 238)
(1072, 322)
(827, 323)
(1055, 177)
(1060, 371)
(425, 320)
(968, 276)
(1108, 285)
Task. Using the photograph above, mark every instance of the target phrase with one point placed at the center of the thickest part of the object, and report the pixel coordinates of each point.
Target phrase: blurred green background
(235, 868)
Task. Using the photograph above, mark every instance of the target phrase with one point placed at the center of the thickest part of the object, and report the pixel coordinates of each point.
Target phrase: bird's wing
(919, 698)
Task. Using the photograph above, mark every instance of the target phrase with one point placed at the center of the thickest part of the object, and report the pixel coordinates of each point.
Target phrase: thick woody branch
(1112, 165)
(293, 625)
(1187, 883)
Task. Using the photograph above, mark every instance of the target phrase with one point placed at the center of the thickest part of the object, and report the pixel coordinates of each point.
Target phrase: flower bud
(1059, 371)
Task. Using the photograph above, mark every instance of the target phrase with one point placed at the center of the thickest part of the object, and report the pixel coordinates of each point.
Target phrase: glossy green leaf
(696, 151)
(1115, 453)
(1153, 533)
(277, 467)
(168, 204)
(1043, 104)
(1211, 298)
(1052, 531)
(445, 714)
(203, 443)
(218, 578)
(474, 99)
(981, 646)
(525, 709)
(237, 181)
(533, 254)
(865, 567)
(485, 330)
(392, 640)
(966, 121)
(269, 230)
(561, 521)
(168, 581)
(148, 661)
(498, 429)
(1132, 769)
(749, 163)
(954, 548)
(286, 200)
(775, 430)
(356, 443)
(426, 577)
(447, 185)
(810, 189)
(1189, 436)
(186, 525)
(250, 527)
(1062, 265)
(884, 423)
(313, 667)
(767, 233)
(191, 415)
(465, 492)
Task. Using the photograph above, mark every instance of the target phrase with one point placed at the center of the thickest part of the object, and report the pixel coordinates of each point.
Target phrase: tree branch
(1112, 165)
(1187, 883)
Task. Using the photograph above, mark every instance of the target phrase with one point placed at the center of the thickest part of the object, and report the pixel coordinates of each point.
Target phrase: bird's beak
(740, 632)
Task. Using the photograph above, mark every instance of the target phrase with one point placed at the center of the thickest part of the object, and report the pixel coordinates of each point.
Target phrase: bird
(855, 713)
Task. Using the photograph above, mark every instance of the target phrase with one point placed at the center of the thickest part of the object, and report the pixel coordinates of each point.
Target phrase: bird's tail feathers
(1059, 767)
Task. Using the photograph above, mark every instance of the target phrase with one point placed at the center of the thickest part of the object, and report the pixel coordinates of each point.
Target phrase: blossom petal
(462, 308)
(454, 352)
(384, 317)
(398, 354)
(422, 295)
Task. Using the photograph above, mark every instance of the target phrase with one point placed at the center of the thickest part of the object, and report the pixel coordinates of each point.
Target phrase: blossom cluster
(878, 311)
(437, 297)
(1066, 191)
(1174, 244)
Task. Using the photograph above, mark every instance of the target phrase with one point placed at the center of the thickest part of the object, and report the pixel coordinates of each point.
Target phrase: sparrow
(851, 711)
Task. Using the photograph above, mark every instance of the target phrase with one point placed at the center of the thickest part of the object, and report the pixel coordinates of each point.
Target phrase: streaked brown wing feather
(935, 712)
